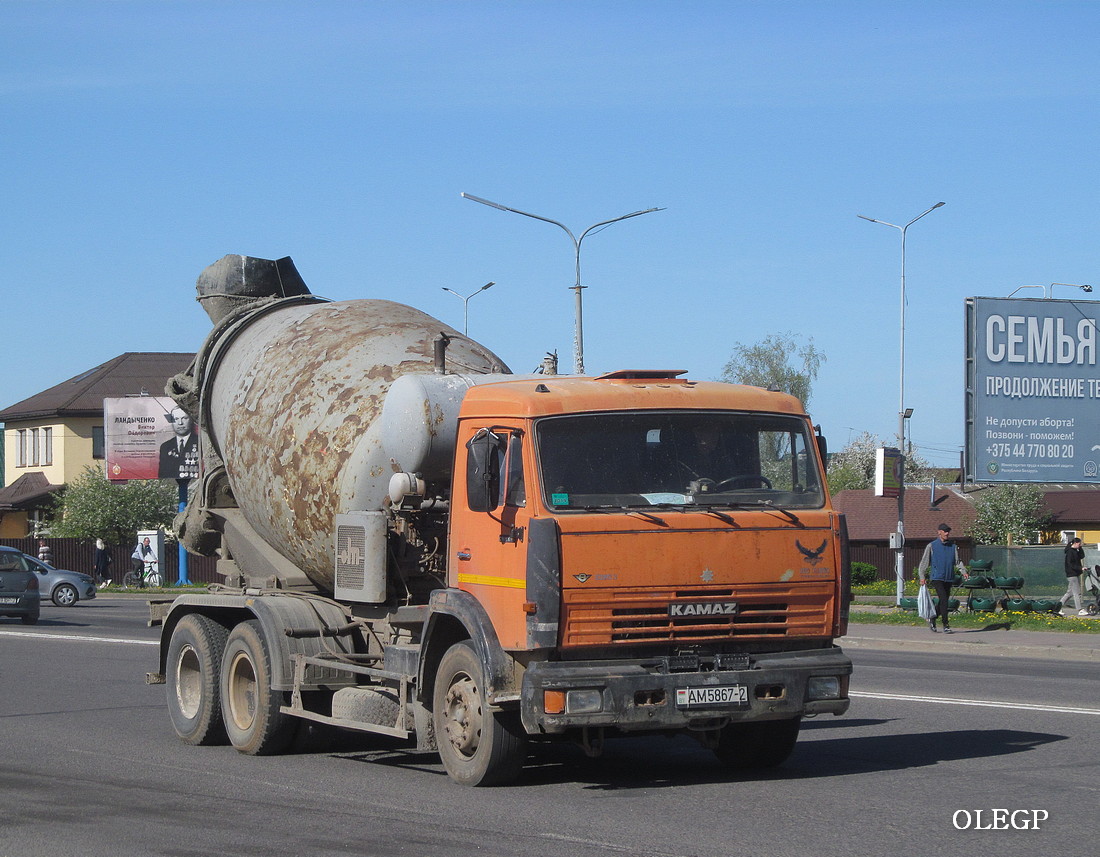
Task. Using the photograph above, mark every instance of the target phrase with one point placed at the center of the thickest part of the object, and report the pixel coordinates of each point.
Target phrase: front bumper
(639, 696)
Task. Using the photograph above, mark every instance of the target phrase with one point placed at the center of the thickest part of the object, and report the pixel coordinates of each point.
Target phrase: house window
(47, 446)
(97, 442)
(34, 447)
(21, 461)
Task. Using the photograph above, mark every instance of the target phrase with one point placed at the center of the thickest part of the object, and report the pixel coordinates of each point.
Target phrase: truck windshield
(714, 458)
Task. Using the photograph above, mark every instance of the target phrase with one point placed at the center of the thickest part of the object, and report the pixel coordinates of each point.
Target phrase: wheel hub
(464, 714)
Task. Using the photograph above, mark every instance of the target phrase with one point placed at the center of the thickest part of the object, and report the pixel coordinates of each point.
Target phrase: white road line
(985, 703)
(81, 637)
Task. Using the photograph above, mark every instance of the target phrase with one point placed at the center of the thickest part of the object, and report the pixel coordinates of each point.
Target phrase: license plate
(9, 600)
(705, 697)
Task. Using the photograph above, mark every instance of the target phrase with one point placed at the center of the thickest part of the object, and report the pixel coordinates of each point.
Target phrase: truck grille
(595, 617)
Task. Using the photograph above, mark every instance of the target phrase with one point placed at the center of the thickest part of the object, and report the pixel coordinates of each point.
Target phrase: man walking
(943, 558)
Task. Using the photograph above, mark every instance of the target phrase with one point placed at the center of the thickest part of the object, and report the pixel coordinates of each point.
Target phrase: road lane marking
(985, 703)
(40, 635)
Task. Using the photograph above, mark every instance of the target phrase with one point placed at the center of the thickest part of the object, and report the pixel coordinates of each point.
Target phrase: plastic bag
(926, 609)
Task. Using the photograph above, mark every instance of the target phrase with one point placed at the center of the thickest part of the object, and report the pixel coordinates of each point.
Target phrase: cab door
(489, 522)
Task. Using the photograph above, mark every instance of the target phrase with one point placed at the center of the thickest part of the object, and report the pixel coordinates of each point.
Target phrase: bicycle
(148, 576)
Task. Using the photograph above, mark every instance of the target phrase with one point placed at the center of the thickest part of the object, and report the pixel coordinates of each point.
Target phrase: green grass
(1014, 621)
(171, 589)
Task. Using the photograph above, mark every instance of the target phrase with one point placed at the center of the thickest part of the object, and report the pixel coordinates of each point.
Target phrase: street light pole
(466, 305)
(578, 329)
(899, 559)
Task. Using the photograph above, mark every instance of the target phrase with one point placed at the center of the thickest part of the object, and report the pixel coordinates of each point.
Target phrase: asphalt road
(89, 766)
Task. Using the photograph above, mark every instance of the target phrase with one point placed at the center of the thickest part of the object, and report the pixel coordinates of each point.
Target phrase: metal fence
(79, 555)
(1042, 567)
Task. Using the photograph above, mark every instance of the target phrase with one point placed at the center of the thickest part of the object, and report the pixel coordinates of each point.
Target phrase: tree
(1008, 515)
(91, 507)
(854, 466)
(778, 360)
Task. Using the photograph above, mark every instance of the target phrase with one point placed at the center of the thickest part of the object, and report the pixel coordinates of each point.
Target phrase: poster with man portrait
(149, 437)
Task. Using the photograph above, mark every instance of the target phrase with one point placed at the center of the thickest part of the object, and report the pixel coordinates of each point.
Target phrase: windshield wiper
(695, 507)
(767, 504)
(630, 510)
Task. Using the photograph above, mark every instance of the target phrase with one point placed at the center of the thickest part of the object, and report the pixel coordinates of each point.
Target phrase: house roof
(1073, 507)
(82, 396)
(26, 491)
(872, 518)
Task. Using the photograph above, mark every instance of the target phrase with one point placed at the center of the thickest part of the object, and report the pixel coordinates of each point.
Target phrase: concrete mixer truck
(417, 543)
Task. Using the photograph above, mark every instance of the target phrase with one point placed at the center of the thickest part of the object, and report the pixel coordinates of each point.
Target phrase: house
(1073, 513)
(51, 437)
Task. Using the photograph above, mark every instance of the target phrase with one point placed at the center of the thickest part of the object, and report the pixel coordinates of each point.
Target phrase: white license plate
(9, 600)
(698, 697)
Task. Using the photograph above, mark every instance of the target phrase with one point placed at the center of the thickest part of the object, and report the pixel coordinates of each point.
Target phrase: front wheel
(755, 745)
(250, 707)
(153, 578)
(193, 672)
(65, 595)
(478, 746)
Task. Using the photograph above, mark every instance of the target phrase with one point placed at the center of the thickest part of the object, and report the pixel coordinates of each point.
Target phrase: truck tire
(478, 747)
(193, 672)
(756, 745)
(250, 708)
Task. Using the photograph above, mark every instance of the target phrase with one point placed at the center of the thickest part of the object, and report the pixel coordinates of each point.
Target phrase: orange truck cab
(653, 553)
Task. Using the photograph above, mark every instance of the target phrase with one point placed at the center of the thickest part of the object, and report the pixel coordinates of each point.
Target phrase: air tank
(290, 392)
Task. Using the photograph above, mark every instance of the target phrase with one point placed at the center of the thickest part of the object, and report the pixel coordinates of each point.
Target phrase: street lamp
(578, 330)
(1084, 288)
(466, 305)
(899, 559)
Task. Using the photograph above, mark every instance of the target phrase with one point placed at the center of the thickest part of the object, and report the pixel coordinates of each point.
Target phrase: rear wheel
(193, 674)
(755, 745)
(131, 578)
(65, 595)
(250, 708)
(478, 746)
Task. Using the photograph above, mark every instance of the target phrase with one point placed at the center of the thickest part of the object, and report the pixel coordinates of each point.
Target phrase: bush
(863, 573)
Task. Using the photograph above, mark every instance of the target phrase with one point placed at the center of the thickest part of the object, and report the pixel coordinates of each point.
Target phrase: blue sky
(141, 141)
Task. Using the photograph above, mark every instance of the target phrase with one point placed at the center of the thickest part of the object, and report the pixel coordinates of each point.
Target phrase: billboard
(1032, 390)
(149, 437)
(889, 472)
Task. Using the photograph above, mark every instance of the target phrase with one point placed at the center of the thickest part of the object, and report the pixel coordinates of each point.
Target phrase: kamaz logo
(704, 608)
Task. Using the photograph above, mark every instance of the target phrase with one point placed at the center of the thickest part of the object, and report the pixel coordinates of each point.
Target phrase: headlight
(823, 687)
(583, 701)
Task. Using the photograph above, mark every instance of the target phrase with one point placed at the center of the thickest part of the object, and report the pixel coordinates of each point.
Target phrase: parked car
(19, 588)
(63, 588)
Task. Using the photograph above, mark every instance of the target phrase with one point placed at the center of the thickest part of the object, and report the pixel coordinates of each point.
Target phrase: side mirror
(822, 445)
(483, 471)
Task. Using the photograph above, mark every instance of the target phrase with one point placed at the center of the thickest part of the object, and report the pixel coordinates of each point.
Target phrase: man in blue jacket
(943, 558)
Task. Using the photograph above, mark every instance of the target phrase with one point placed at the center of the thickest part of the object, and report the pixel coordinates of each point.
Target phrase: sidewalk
(990, 641)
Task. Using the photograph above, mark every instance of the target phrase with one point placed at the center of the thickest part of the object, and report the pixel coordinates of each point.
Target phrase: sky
(141, 141)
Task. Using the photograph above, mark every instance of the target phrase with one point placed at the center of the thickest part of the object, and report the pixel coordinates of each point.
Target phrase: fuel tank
(290, 390)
